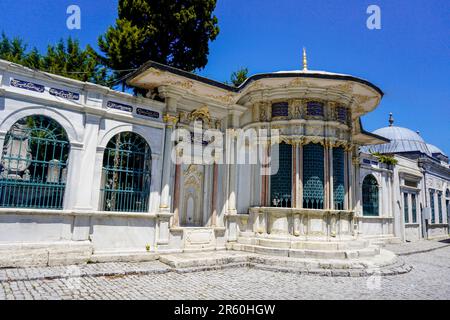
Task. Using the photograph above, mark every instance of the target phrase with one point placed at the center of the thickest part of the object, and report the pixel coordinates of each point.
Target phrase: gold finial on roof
(305, 60)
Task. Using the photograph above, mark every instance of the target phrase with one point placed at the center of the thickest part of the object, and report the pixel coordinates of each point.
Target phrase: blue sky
(409, 58)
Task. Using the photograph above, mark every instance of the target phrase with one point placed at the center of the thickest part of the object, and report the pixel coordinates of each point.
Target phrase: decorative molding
(201, 113)
(170, 120)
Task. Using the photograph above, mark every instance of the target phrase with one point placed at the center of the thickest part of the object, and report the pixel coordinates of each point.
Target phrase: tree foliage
(176, 33)
(66, 58)
(238, 77)
(384, 158)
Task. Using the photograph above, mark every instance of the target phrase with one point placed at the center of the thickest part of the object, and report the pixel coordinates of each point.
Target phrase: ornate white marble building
(87, 172)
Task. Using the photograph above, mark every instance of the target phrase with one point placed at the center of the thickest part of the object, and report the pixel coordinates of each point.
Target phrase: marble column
(300, 176)
(73, 175)
(168, 165)
(350, 176)
(88, 178)
(326, 199)
(214, 195)
(176, 196)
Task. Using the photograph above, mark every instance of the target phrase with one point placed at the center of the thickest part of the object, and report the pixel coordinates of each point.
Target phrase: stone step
(370, 251)
(301, 244)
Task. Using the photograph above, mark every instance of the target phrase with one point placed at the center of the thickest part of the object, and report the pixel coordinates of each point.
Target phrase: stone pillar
(176, 196)
(350, 178)
(355, 194)
(263, 176)
(168, 165)
(300, 176)
(97, 201)
(294, 176)
(73, 175)
(232, 174)
(155, 187)
(326, 199)
(87, 176)
(214, 195)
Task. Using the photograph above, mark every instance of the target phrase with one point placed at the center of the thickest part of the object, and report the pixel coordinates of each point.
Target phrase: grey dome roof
(435, 150)
(402, 140)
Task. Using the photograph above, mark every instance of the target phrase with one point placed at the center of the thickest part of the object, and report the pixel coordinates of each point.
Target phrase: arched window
(126, 174)
(281, 182)
(338, 178)
(370, 196)
(34, 164)
(313, 176)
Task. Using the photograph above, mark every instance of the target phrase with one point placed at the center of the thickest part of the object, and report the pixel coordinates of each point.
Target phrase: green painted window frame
(281, 182)
(339, 178)
(34, 164)
(440, 207)
(406, 207)
(414, 207)
(433, 213)
(313, 176)
(126, 174)
(370, 196)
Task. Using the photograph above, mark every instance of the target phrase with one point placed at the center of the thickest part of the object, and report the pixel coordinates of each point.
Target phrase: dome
(435, 150)
(402, 140)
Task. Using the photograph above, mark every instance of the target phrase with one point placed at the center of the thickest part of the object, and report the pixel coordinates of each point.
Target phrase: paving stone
(429, 279)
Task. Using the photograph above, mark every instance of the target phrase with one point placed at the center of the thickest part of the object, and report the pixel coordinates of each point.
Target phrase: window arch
(370, 196)
(126, 174)
(313, 176)
(34, 164)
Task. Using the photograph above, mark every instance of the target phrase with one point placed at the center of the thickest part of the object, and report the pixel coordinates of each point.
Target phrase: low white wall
(106, 231)
(412, 232)
(375, 226)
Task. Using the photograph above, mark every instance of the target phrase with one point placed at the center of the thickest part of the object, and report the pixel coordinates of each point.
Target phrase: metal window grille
(405, 207)
(126, 174)
(338, 178)
(414, 208)
(341, 114)
(34, 164)
(370, 196)
(314, 108)
(433, 213)
(280, 109)
(313, 176)
(281, 182)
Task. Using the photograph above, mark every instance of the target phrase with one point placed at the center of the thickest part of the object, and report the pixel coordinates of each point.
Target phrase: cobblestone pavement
(430, 279)
(408, 248)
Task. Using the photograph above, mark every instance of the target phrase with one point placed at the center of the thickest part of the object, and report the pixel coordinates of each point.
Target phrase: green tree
(238, 77)
(12, 50)
(68, 59)
(176, 33)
